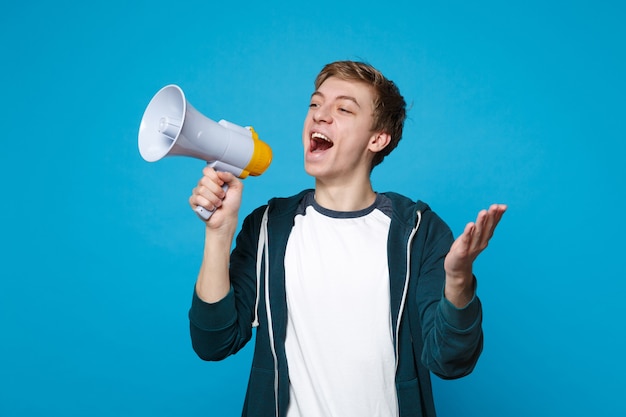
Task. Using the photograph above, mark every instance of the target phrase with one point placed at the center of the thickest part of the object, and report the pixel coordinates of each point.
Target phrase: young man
(357, 296)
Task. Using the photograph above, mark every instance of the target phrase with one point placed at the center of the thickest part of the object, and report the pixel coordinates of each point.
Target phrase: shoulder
(405, 208)
(411, 213)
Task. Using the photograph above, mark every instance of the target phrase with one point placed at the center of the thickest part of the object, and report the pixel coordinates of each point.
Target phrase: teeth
(318, 135)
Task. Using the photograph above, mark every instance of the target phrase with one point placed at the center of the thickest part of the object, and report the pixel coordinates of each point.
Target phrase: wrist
(460, 289)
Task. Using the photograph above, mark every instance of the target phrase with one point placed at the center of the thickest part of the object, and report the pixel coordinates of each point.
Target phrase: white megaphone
(171, 126)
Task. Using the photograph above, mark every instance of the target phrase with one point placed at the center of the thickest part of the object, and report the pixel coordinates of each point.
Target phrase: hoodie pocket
(409, 399)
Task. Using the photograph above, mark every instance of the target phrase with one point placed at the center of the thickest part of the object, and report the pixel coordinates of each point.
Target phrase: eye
(344, 110)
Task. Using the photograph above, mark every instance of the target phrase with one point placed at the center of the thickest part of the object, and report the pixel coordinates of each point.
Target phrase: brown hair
(389, 105)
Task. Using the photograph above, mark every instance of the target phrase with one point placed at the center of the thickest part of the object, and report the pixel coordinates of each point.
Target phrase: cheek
(304, 134)
(305, 128)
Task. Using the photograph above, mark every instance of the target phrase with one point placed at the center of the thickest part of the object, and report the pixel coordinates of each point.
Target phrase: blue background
(518, 102)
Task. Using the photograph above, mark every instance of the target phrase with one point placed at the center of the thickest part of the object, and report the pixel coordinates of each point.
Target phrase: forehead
(336, 88)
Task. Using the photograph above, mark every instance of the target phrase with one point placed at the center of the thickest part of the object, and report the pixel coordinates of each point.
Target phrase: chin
(310, 170)
(313, 169)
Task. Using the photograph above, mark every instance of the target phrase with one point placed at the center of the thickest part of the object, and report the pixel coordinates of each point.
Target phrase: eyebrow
(350, 98)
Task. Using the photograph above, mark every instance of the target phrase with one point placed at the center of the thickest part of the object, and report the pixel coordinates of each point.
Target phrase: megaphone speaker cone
(161, 123)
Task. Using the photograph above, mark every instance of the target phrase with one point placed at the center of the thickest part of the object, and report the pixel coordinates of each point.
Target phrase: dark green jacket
(431, 335)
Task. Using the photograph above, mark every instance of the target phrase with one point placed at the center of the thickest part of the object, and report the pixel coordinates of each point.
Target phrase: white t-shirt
(339, 341)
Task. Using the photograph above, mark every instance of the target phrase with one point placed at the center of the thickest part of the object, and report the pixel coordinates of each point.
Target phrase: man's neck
(344, 197)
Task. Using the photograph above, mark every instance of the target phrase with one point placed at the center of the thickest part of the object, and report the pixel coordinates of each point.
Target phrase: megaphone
(171, 126)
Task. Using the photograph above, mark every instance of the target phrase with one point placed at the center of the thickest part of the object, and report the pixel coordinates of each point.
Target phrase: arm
(213, 316)
(450, 311)
(213, 282)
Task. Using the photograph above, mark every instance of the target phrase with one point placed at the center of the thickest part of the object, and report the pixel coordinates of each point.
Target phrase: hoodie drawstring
(406, 279)
(259, 261)
(263, 252)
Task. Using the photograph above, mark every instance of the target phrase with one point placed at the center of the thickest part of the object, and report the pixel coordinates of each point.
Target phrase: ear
(379, 141)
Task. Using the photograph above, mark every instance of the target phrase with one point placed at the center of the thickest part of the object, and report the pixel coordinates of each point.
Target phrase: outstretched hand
(465, 250)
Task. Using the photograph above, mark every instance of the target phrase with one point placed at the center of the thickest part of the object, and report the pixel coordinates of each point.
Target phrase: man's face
(337, 132)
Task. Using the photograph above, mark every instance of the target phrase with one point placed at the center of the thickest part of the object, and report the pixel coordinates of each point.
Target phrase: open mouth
(320, 142)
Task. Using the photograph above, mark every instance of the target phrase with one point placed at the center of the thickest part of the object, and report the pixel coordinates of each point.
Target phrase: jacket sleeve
(452, 337)
(222, 328)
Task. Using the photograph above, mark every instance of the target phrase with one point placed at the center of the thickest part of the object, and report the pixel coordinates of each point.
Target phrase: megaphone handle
(204, 213)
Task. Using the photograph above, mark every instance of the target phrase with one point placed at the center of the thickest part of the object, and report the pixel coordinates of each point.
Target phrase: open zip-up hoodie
(431, 335)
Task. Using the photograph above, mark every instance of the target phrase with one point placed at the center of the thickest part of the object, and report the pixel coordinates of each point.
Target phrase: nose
(322, 114)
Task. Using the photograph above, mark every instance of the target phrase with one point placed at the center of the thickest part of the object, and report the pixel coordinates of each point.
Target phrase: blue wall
(513, 102)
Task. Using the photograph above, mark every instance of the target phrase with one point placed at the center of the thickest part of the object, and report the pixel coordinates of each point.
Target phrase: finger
(481, 224)
(210, 172)
(225, 177)
(486, 224)
(211, 184)
(464, 242)
(501, 208)
(208, 193)
(231, 180)
(489, 222)
(209, 203)
(496, 211)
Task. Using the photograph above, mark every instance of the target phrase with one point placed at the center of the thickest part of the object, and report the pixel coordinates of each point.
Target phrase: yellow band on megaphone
(261, 157)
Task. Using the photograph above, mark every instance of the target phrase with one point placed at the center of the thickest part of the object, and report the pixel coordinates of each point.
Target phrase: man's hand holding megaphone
(218, 190)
